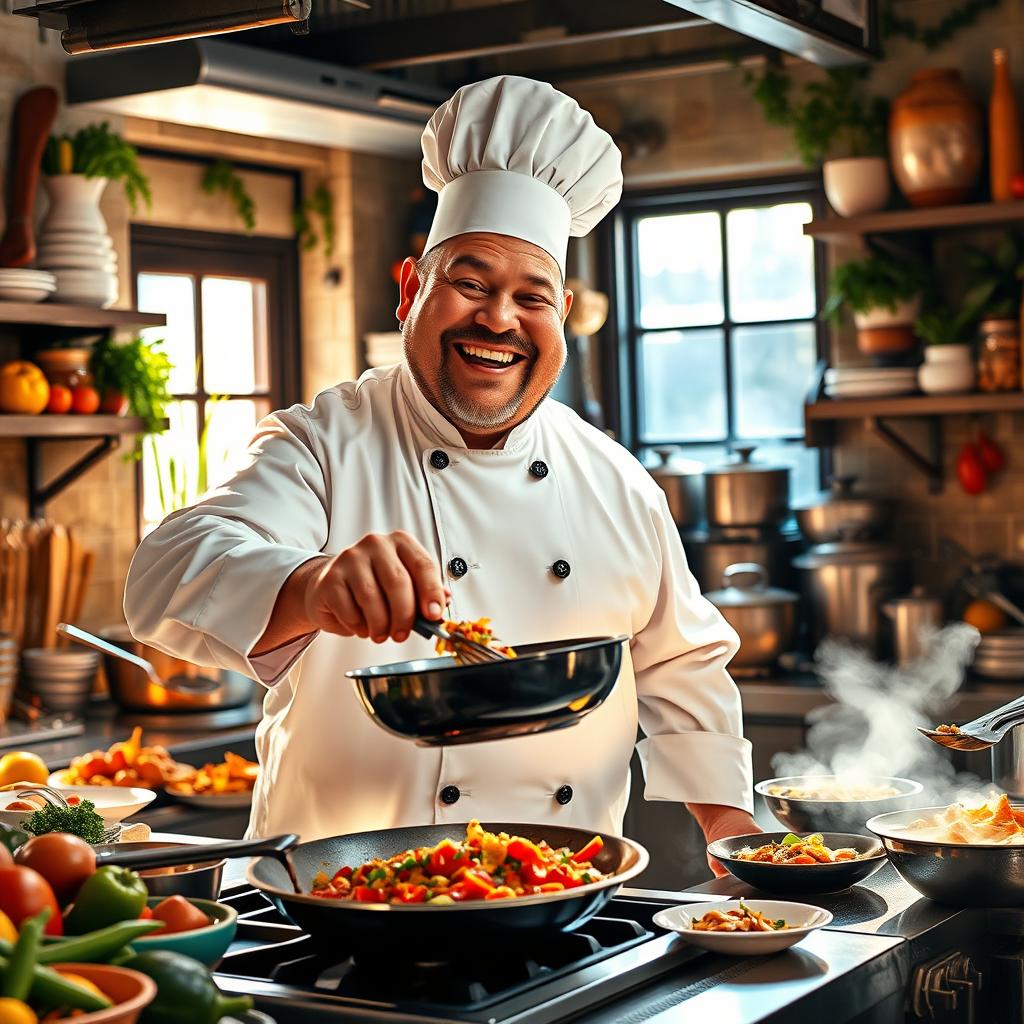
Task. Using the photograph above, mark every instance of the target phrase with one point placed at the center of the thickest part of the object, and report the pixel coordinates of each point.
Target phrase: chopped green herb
(779, 924)
(409, 864)
(586, 876)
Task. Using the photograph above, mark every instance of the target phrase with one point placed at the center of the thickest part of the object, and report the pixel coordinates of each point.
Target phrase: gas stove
(888, 957)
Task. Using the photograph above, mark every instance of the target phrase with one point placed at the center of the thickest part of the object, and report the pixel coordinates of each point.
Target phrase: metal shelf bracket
(929, 464)
(41, 493)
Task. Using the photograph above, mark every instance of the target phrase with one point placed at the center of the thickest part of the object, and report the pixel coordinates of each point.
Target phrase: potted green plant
(73, 240)
(884, 294)
(132, 377)
(948, 365)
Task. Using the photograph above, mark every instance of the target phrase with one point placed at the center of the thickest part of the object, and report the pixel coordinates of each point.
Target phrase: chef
(451, 484)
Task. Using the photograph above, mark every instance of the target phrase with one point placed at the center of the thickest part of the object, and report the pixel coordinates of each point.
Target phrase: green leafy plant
(964, 15)
(221, 176)
(181, 475)
(877, 282)
(320, 204)
(993, 277)
(942, 325)
(97, 152)
(140, 370)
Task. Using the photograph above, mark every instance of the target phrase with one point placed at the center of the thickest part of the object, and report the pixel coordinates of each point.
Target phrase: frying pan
(436, 701)
(427, 929)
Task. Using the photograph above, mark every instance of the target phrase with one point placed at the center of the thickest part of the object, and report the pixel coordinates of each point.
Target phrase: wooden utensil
(71, 581)
(34, 114)
(82, 585)
(56, 581)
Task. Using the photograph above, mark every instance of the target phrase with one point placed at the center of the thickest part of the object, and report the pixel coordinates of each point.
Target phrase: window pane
(170, 465)
(772, 369)
(231, 425)
(234, 336)
(771, 263)
(680, 270)
(683, 385)
(174, 295)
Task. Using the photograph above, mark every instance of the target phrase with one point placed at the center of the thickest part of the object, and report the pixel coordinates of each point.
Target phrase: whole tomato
(23, 893)
(85, 400)
(60, 399)
(970, 470)
(65, 861)
(23, 388)
(991, 455)
(114, 403)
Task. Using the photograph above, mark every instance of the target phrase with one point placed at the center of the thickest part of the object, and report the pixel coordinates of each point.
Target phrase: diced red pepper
(446, 857)
(461, 891)
(525, 851)
(345, 872)
(533, 874)
(411, 893)
(364, 894)
(589, 852)
(561, 873)
(478, 882)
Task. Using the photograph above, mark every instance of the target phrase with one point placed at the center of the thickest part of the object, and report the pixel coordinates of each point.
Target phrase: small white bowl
(802, 918)
(113, 803)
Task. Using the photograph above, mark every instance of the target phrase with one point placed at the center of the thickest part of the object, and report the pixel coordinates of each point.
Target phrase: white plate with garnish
(788, 923)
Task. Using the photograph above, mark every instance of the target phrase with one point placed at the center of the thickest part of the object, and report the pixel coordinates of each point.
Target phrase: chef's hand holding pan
(375, 588)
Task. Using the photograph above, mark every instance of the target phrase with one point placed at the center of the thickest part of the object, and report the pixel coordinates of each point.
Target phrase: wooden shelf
(58, 314)
(975, 402)
(970, 215)
(52, 426)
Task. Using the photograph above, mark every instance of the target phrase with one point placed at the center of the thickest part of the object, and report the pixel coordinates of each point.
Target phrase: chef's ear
(567, 305)
(408, 287)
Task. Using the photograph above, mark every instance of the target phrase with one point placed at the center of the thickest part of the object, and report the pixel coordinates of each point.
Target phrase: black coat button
(561, 568)
(457, 567)
(563, 794)
(439, 459)
(451, 794)
(539, 469)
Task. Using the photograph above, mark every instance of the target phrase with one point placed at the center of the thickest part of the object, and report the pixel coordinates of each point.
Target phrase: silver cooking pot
(746, 493)
(764, 617)
(682, 480)
(821, 519)
(846, 583)
(132, 690)
(1008, 763)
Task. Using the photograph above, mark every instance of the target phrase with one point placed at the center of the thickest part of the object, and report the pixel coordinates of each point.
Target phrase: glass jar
(999, 356)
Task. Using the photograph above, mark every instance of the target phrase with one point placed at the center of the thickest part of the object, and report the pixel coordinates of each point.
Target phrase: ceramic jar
(946, 370)
(856, 185)
(999, 355)
(936, 139)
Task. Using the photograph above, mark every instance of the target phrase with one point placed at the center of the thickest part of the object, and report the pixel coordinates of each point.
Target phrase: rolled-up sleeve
(203, 585)
(690, 712)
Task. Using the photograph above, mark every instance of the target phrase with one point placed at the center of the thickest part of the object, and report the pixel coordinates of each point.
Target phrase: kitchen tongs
(983, 732)
(466, 650)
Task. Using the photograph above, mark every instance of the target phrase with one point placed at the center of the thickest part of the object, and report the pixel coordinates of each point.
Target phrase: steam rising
(871, 729)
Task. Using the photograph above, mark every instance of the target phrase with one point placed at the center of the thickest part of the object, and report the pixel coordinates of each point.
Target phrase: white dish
(113, 803)
(12, 275)
(9, 293)
(871, 389)
(845, 375)
(225, 801)
(804, 918)
(82, 261)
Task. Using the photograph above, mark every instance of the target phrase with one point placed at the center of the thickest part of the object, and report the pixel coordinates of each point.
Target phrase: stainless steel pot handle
(738, 569)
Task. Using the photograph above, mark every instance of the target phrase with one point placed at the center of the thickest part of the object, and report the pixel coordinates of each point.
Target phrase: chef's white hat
(517, 157)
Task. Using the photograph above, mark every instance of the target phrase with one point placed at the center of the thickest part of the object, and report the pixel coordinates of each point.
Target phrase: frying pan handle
(173, 856)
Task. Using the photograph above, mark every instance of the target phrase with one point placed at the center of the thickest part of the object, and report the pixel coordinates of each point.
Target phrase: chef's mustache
(479, 333)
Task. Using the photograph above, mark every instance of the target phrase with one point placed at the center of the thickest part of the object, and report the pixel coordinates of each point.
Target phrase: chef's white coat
(560, 533)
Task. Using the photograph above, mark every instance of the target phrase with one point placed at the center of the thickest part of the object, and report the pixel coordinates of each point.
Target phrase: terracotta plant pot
(857, 185)
(884, 331)
(936, 139)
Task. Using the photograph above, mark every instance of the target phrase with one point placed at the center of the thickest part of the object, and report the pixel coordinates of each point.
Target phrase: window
(231, 337)
(718, 301)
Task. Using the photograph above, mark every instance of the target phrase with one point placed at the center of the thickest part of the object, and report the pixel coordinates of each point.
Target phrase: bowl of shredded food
(446, 700)
(792, 865)
(744, 927)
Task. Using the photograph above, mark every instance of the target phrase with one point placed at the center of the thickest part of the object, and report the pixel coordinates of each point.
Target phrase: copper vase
(936, 139)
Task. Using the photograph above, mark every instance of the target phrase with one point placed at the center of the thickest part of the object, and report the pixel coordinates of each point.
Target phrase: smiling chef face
(482, 319)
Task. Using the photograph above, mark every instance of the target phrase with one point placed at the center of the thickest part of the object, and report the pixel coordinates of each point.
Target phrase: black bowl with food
(830, 803)
(439, 702)
(795, 878)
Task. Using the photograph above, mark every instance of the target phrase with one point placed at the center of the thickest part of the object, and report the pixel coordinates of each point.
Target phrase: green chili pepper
(186, 993)
(94, 947)
(17, 978)
(108, 896)
(49, 988)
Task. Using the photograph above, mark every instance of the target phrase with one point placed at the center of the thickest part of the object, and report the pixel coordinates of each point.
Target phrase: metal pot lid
(848, 552)
(670, 464)
(841, 492)
(745, 585)
(744, 465)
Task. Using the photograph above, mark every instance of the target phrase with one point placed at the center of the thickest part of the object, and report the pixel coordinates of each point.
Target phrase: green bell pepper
(108, 896)
(186, 994)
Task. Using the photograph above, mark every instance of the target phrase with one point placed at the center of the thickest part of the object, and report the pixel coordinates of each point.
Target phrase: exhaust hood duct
(207, 83)
(88, 25)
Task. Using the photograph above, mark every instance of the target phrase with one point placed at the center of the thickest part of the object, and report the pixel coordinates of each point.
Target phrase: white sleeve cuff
(698, 768)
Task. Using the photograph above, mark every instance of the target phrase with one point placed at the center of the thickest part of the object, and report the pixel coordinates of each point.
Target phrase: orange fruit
(984, 616)
(22, 766)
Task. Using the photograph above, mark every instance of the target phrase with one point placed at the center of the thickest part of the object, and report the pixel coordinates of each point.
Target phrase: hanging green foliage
(221, 176)
(319, 203)
(931, 37)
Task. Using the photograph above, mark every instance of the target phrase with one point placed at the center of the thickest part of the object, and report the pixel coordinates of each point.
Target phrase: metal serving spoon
(180, 684)
(983, 732)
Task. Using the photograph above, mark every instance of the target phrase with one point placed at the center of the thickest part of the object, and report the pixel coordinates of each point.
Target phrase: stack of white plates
(870, 381)
(8, 672)
(62, 679)
(384, 349)
(84, 265)
(1000, 655)
(20, 284)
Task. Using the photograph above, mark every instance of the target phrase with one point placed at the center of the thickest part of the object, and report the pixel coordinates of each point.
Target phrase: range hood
(211, 84)
(832, 33)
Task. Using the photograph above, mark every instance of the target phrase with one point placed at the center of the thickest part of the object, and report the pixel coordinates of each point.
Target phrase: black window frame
(620, 364)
